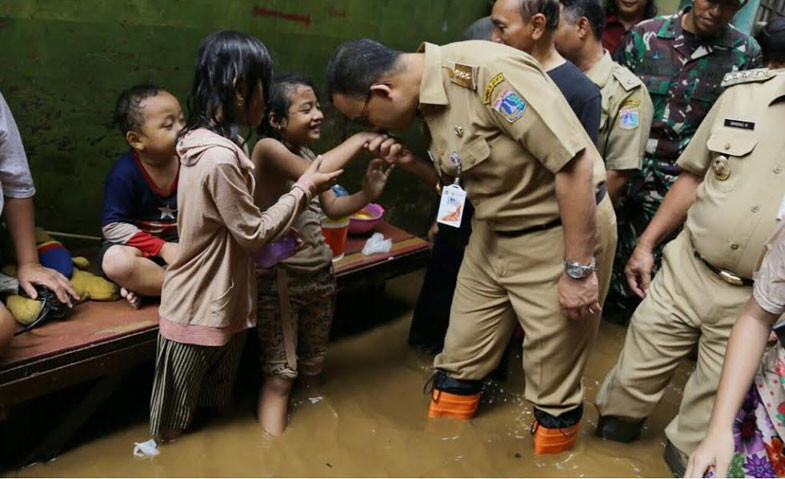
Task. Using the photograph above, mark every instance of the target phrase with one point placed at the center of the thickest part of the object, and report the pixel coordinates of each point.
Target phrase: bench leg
(53, 443)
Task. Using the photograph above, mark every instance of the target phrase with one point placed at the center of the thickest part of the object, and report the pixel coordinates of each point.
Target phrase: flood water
(371, 422)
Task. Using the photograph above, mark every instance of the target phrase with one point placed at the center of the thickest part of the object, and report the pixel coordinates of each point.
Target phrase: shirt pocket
(728, 151)
(468, 155)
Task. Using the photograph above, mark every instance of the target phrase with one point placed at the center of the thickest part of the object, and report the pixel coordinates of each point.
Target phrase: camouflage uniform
(683, 75)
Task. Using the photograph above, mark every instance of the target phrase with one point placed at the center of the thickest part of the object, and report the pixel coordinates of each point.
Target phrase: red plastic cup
(335, 232)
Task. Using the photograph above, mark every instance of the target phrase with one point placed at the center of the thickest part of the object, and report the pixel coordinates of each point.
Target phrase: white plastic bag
(377, 244)
(146, 449)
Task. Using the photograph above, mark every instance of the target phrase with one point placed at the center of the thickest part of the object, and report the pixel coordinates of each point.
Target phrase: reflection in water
(371, 422)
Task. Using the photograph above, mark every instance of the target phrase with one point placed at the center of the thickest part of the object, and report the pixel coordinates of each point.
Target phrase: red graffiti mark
(264, 12)
(336, 13)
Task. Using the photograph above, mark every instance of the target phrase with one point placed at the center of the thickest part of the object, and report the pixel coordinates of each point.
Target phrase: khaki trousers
(687, 304)
(503, 280)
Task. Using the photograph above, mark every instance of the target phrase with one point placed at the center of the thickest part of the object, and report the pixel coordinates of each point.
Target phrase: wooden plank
(105, 338)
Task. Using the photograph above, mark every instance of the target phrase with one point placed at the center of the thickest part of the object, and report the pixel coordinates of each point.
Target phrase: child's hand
(391, 150)
(376, 178)
(320, 182)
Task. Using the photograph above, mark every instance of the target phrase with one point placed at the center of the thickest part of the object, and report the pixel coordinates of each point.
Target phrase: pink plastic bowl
(364, 225)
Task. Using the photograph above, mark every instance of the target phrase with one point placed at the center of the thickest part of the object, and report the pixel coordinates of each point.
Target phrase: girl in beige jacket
(207, 299)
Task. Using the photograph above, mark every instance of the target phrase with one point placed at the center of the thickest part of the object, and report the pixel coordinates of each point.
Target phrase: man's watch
(579, 271)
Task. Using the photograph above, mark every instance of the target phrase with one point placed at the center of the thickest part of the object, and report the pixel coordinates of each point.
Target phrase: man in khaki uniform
(534, 178)
(625, 118)
(731, 192)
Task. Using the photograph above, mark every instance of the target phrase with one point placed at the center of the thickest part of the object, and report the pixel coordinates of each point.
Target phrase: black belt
(599, 195)
(727, 276)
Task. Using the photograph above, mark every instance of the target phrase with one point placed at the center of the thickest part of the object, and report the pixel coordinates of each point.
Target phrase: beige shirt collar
(431, 87)
(600, 73)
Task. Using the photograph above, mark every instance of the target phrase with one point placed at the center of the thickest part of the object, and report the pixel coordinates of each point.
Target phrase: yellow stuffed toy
(53, 254)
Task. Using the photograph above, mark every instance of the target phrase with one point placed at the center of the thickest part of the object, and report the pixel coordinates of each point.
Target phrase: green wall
(63, 63)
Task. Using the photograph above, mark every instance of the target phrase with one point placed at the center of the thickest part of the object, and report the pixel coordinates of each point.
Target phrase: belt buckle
(731, 278)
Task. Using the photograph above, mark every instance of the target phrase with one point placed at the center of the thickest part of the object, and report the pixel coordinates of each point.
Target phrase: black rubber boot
(567, 419)
(464, 387)
(619, 430)
(675, 459)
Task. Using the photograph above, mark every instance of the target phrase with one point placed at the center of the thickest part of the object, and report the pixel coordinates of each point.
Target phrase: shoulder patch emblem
(747, 76)
(630, 102)
(629, 118)
(491, 86)
(510, 105)
(464, 75)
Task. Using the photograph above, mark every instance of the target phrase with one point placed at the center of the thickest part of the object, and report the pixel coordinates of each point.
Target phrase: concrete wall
(65, 61)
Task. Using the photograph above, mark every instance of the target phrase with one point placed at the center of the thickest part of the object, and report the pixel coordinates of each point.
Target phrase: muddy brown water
(371, 422)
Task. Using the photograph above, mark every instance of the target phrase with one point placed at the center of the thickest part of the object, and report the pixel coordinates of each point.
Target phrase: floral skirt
(759, 449)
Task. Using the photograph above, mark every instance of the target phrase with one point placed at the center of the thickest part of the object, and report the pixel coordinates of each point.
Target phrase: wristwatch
(579, 271)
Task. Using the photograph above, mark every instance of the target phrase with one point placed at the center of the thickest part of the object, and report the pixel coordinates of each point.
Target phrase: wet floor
(371, 422)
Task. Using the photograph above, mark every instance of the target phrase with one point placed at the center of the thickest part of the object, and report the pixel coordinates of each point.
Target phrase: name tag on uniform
(451, 206)
(743, 124)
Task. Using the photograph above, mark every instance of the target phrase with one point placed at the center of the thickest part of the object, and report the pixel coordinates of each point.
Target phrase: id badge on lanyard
(453, 199)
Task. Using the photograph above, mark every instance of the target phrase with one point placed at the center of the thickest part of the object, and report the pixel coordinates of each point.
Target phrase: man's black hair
(772, 40)
(356, 64)
(591, 9)
(549, 8)
(128, 110)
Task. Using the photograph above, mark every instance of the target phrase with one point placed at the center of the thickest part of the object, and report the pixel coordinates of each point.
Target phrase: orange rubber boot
(553, 440)
(456, 406)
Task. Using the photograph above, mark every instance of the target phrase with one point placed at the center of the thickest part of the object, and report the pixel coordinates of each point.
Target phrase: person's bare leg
(7, 327)
(273, 404)
(136, 275)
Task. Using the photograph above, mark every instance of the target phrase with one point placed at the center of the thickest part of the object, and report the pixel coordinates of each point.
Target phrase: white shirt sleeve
(15, 178)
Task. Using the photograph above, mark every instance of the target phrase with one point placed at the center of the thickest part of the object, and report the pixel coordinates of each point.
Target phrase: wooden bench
(100, 339)
(104, 340)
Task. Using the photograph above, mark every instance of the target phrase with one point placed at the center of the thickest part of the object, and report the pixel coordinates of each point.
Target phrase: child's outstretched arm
(376, 176)
(276, 157)
(248, 225)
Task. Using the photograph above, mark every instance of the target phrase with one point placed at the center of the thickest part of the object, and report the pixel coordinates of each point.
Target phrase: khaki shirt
(738, 149)
(493, 111)
(626, 114)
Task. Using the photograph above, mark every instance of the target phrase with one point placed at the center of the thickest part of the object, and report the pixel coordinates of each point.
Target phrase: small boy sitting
(139, 223)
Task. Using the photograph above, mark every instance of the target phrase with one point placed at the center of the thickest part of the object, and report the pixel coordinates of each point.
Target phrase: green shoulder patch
(747, 76)
(491, 86)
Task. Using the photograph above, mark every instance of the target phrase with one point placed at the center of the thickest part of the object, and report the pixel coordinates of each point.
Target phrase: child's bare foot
(273, 404)
(133, 299)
